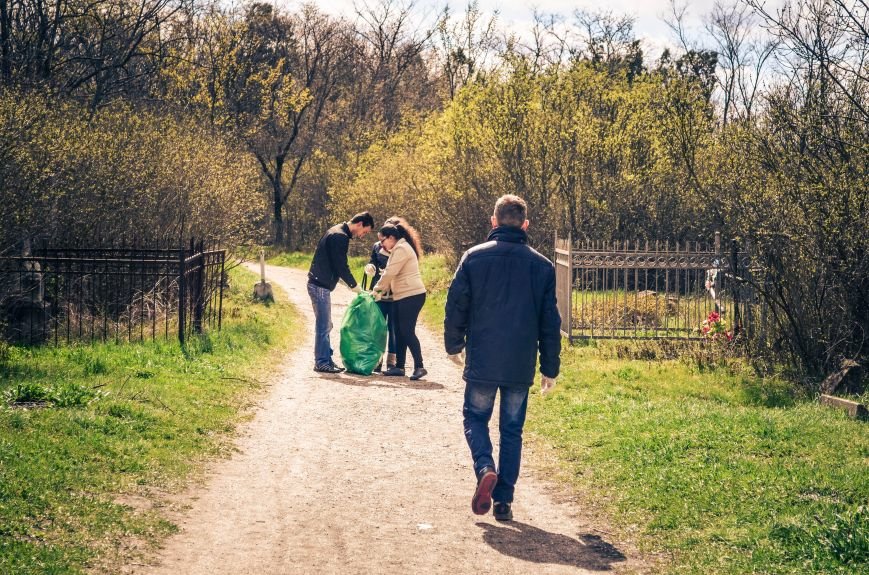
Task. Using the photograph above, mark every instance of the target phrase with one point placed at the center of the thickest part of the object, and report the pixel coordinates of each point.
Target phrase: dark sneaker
(328, 369)
(338, 367)
(394, 372)
(503, 511)
(418, 374)
(482, 500)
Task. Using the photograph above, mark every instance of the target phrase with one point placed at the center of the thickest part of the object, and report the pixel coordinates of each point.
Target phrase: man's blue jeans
(477, 411)
(321, 299)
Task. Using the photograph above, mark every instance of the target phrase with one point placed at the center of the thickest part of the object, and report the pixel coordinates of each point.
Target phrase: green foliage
(120, 175)
(117, 420)
(26, 393)
(592, 152)
(305, 93)
(603, 154)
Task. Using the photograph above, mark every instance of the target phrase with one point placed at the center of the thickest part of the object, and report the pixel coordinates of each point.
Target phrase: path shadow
(530, 543)
(375, 380)
(422, 384)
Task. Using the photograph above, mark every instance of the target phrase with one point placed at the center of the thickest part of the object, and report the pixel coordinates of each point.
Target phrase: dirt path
(348, 474)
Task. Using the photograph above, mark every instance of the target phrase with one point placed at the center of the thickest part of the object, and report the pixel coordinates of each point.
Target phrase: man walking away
(328, 266)
(500, 311)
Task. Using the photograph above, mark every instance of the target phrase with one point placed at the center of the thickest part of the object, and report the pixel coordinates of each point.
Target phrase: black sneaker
(328, 369)
(503, 511)
(482, 499)
(338, 367)
(394, 372)
(418, 374)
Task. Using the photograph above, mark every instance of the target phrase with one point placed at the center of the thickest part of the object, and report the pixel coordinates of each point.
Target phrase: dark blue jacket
(330, 259)
(501, 310)
(379, 260)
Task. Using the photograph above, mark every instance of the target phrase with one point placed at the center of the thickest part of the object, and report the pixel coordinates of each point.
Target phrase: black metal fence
(654, 290)
(54, 295)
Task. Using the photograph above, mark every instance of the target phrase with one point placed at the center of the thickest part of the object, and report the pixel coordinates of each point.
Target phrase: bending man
(330, 265)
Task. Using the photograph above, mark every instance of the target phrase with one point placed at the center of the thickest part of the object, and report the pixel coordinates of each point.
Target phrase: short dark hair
(511, 210)
(365, 218)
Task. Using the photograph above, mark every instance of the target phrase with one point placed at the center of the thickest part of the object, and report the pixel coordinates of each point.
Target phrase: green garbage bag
(363, 335)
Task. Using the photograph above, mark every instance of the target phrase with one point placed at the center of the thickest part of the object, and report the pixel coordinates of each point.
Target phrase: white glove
(370, 270)
(356, 289)
(458, 358)
(546, 384)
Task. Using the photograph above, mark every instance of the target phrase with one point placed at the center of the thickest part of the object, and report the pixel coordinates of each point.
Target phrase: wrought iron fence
(652, 290)
(53, 295)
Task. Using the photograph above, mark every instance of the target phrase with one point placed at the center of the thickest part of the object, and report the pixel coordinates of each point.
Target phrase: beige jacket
(401, 276)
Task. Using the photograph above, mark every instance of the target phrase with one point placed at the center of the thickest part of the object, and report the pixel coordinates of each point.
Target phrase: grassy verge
(120, 420)
(302, 261)
(720, 470)
(437, 277)
(729, 473)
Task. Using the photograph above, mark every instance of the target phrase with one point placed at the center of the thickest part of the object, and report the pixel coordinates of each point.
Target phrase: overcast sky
(517, 15)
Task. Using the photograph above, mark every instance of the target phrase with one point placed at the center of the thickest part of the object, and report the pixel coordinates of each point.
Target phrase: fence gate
(650, 290)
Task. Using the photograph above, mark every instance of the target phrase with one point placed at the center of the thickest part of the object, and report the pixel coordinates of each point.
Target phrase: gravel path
(350, 474)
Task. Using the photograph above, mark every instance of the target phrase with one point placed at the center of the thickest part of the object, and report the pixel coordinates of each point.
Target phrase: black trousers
(406, 312)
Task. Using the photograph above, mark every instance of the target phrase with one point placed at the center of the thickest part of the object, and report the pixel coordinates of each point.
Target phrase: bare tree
(742, 55)
(828, 35)
(394, 37)
(605, 34)
(607, 40)
(467, 45)
(90, 50)
(675, 19)
(551, 41)
(277, 77)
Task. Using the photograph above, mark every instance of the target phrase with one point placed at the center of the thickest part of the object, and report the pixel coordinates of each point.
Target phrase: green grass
(113, 420)
(302, 261)
(725, 472)
(437, 277)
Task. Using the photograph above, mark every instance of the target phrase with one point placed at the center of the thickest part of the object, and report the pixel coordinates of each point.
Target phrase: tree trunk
(278, 211)
(278, 201)
(5, 51)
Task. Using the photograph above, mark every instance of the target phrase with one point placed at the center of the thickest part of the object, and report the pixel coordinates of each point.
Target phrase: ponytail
(411, 235)
(400, 229)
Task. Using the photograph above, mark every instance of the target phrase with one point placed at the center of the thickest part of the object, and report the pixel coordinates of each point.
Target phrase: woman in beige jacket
(402, 280)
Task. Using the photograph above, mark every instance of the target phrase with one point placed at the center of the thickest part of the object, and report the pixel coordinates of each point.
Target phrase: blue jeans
(479, 404)
(321, 299)
(386, 310)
